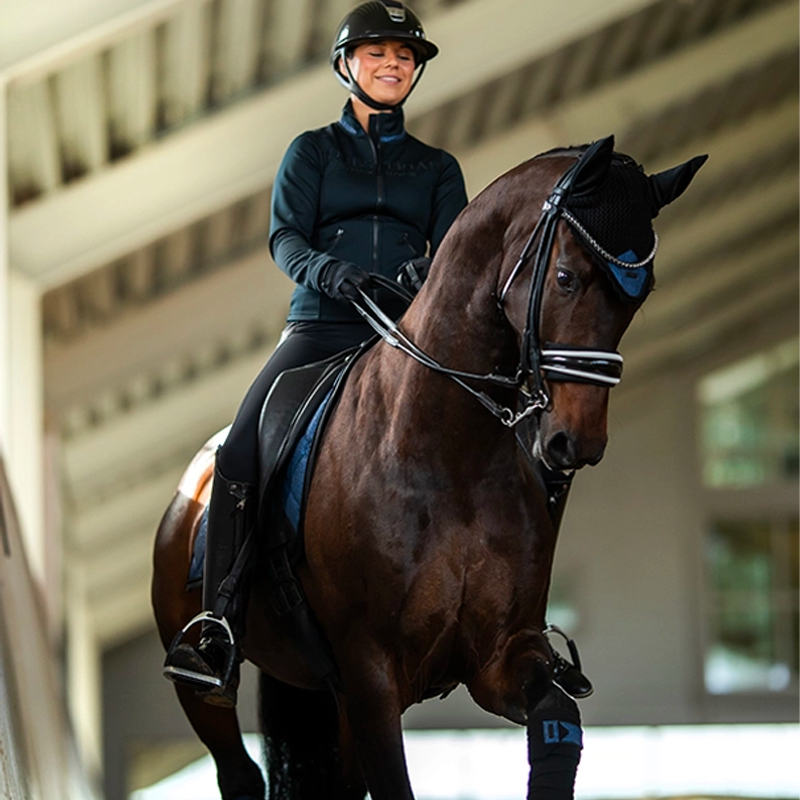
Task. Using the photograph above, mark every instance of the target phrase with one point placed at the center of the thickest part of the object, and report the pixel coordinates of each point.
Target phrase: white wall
(629, 549)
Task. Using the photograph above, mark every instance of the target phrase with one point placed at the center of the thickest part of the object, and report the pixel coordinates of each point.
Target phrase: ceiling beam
(715, 325)
(697, 291)
(616, 107)
(207, 312)
(111, 456)
(39, 36)
(124, 613)
(235, 153)
(98, 521)
(734, 148)
(739, 217)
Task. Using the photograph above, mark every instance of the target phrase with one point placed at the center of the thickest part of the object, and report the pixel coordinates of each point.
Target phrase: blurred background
(138, 144)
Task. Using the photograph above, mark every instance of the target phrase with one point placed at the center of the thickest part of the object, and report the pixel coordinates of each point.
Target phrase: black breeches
(302, 343)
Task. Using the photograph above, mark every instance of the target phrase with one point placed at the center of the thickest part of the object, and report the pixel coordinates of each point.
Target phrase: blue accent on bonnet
(632, 281)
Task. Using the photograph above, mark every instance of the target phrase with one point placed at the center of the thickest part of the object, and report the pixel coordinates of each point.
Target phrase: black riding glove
(342, 280)
(412, 274)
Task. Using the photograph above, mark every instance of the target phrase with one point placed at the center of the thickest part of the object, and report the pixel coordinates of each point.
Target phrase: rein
(390, 332)
(538, 362)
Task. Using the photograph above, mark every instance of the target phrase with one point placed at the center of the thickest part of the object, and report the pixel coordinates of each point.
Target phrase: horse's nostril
(561, 450)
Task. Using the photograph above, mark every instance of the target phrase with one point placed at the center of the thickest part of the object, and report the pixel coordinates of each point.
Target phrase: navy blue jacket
(374, 200)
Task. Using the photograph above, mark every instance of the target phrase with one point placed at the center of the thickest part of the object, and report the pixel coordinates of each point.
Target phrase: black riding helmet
(375, 21)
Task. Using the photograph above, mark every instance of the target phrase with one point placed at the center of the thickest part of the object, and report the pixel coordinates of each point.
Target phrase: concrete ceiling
(142, 154)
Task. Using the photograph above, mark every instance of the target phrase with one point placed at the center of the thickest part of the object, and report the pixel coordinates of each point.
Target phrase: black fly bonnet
(609, 204)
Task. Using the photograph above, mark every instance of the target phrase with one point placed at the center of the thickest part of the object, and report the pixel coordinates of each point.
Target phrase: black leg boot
(555, 741)
(212, 667)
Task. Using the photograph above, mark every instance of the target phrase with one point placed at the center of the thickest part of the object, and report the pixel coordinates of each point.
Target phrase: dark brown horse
(428, 542)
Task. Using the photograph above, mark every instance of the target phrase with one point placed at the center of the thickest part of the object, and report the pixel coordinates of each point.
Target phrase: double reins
(538, 362)
(390, 332)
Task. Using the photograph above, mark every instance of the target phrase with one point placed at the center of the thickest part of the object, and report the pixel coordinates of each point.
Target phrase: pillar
(5, 323)
(26, 415)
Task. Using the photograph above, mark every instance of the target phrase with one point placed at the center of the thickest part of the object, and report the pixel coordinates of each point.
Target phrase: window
(752, 573)
(749, 428)
(750, 446)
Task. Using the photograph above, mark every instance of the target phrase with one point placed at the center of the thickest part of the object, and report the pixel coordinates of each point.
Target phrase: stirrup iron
(571, 646)
(178, 673)
(568, 674)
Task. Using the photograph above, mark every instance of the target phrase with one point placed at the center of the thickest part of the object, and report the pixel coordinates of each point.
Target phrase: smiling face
(383, 69)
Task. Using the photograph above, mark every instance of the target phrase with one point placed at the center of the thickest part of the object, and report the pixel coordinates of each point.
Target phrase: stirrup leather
(180, 674)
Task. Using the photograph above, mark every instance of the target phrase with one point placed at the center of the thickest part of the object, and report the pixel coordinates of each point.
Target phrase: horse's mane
(579, 149)
(560, 152)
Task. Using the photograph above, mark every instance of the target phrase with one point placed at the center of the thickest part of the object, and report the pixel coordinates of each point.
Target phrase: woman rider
(358, 196)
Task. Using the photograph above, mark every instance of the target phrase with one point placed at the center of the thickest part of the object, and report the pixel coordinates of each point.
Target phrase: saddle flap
(292, 403)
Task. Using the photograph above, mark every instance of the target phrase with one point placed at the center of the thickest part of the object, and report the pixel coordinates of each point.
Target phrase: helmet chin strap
(356, 89)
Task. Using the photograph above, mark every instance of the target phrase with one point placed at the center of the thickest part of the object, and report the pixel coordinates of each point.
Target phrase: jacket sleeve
(295, 205)
(450, 197)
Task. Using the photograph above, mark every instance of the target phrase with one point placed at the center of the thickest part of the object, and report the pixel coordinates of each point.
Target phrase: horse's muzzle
(562, 451)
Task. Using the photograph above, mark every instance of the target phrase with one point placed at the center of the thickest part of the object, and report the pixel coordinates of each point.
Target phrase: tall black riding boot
(212, 667)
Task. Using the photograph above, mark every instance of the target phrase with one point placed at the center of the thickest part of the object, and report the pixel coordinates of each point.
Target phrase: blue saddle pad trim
(292, 491)
(296, 473)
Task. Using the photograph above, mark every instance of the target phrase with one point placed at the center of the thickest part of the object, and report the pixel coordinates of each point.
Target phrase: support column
(84, 674)
(26, 416)
(5, 323)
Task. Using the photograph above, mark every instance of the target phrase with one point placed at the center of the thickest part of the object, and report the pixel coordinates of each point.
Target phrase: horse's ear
(670, 184)
(591, 170)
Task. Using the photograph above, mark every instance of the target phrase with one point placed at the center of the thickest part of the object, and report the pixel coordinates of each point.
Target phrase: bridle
(538, 362)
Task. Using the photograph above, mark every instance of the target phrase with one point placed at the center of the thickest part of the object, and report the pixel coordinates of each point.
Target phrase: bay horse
(428, 543)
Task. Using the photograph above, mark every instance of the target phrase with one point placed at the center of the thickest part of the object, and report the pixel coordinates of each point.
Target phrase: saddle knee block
(555, 740)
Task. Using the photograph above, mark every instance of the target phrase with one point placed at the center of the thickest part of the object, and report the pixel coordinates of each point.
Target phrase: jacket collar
(387, 127)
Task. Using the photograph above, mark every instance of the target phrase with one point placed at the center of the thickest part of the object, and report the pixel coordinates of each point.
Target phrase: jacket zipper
(375, 219)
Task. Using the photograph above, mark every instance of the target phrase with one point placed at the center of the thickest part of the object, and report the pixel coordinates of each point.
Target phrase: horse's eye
(566, 280)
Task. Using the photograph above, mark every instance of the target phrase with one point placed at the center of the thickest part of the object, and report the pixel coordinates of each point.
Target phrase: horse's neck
(456, 321)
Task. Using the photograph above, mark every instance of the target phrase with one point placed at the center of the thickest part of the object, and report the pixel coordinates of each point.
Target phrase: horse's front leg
(371, 703)
(555, 739)
(518, 686)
